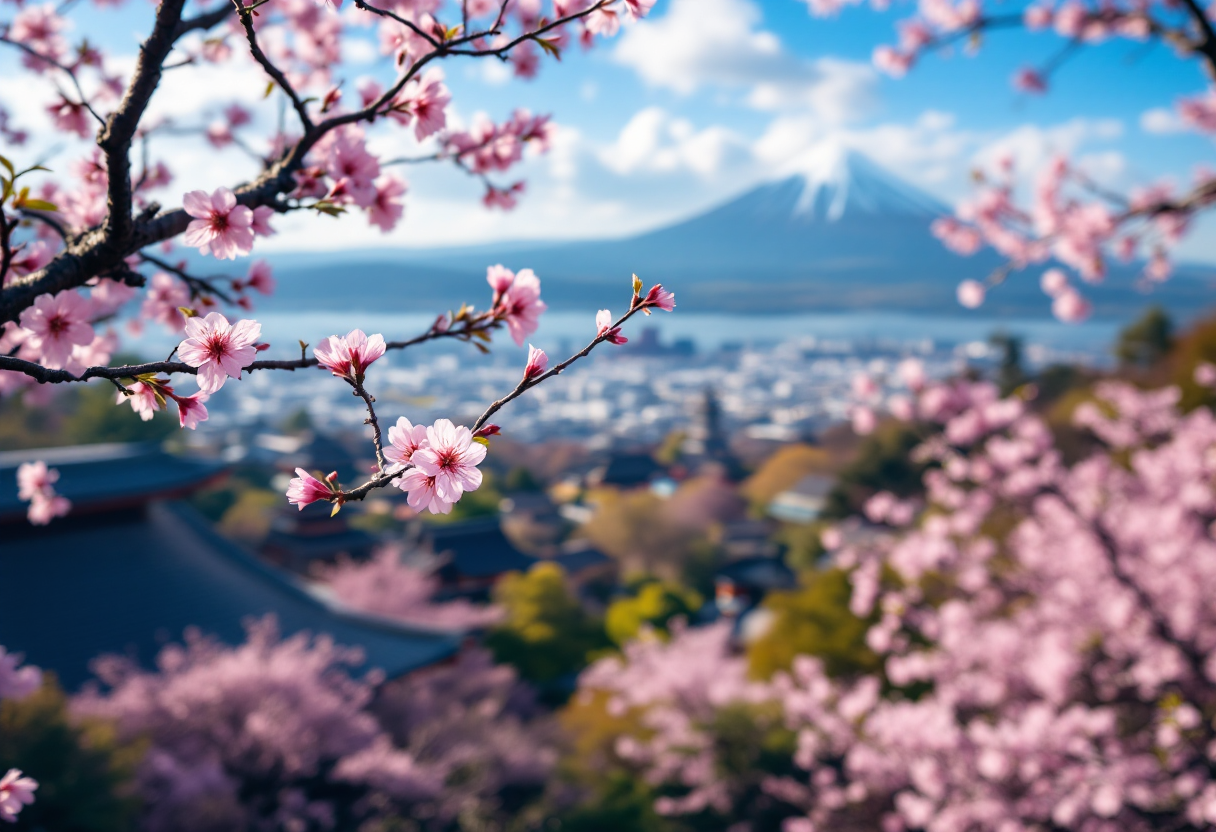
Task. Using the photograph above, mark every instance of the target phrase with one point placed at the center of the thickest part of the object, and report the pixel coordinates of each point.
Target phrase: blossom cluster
(16, 683)
(36, 486)
(277, 733)
(1045, 633)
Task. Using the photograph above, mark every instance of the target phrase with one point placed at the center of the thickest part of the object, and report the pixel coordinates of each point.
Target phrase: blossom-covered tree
(383, 585)
(1068, 218)
(16, 682)
(1044, 635)
(278, 733)
(77, 246)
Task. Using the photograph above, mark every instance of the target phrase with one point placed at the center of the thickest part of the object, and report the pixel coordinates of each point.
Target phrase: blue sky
(709, 97)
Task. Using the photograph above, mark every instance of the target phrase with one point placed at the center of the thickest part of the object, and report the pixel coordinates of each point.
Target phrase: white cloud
(1161, 121)
(717, 44)
(1031, 146)
(654, 141)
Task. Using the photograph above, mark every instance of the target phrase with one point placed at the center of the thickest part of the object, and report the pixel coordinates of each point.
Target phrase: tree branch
(528, 383)
(246, 18)
(45, 375)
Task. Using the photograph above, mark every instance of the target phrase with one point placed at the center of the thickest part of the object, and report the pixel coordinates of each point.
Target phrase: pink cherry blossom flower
(35, 484)
(33, 477)
(404, 438)
(165, 295)
(605, 329)
(451, 457)
(70, 117)
(15, 792)
(604, 21)
(219, 134)
(261, 221)
(1070, 307)
(145, 399)
(864, 420)
(864, 387)
(912, 373)
(971, 294)
(353, 169)
(387, 208)
(500, 279)
(424, 100)
(55, 324)
(1205, 374)
(17, 682)
(108, 296)
(1029, 81)
(520, 306)
(220, 227)
(638, 8)
(45, 507)
(260, 278)
(659, 298)
(421, 492)
(1037, 16)
(349, 356)
(191, 410)
(892, 61)
(538, 362)
(959, 238)
(305, 489)
(218, 349)
(29, 258)
(1054, 282)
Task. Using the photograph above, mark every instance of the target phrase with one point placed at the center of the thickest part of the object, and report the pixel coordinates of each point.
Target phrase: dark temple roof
(102, 477)
(134, 573)
(476, 548)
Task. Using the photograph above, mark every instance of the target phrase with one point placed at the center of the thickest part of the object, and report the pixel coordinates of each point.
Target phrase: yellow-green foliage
(883, 463)
(83, 772)
(249, 518)
(655, 604)
(546, 634)
(638, 530)
(813, 620)
(1196, 347)
(783, 470)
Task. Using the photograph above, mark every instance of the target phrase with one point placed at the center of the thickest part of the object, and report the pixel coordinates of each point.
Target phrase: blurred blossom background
(904, 519)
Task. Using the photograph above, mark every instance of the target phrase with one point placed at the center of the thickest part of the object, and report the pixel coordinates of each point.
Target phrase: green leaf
(269, 89)
(187, 311)
(8, 165)
(550, 47)
(39, 205)
(481, 440)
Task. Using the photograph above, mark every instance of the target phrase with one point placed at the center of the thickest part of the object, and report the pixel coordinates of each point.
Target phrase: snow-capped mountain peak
(837, 182)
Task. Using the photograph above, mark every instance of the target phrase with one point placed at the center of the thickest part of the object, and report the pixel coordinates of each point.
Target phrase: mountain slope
(839, 232)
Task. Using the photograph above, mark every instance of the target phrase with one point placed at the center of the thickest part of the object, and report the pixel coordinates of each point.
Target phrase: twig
(246, 17)
(527, 383)
(197, 284)
(371, 419)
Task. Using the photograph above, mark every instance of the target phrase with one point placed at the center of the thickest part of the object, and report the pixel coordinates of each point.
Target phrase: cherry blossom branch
(501, 51)
(198, 285)
(527, 383)
(1161, 627)
(245, 14)
(369, 400)
(466, 331)
(71, 73)
(6, 245)
(97, 251)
